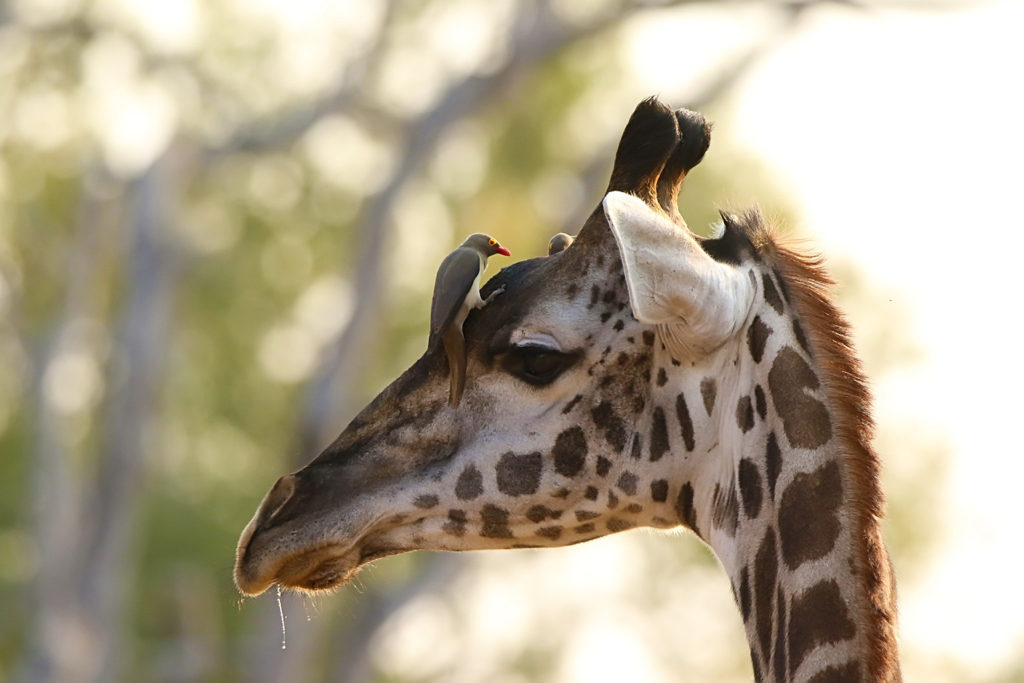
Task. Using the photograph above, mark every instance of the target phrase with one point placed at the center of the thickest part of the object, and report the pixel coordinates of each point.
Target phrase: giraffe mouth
(327, 568)
(317, 569)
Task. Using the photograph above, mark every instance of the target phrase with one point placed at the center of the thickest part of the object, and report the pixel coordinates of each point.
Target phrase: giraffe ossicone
(641, 376)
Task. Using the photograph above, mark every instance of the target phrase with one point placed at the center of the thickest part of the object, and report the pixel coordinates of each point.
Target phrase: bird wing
(455, 276)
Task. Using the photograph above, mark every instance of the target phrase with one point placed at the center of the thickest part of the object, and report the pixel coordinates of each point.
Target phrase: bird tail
(455, 349)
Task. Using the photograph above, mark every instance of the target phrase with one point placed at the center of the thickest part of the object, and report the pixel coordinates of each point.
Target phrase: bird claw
(492, 295)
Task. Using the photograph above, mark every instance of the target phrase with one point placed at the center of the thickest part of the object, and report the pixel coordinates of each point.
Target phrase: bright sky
(900, 136)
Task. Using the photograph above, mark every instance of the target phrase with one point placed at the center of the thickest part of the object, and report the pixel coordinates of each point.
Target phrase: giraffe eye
(536, 365)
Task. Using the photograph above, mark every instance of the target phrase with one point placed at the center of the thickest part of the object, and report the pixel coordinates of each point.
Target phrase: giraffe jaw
(317, 569)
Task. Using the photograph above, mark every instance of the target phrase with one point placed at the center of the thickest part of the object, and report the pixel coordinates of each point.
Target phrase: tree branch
(56, 490)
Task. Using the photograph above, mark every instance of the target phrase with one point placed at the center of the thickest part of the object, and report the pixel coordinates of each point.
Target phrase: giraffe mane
(808, 286)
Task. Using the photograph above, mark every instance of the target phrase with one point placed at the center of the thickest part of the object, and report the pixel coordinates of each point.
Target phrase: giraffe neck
(797, 571)
(780, 481)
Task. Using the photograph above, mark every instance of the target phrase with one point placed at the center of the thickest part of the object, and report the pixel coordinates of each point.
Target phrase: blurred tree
(218, 226)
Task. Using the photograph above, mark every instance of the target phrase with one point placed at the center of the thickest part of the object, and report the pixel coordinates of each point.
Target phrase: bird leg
(455, 349)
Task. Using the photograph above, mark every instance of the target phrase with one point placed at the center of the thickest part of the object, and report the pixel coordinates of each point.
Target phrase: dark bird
(456, 293)
(559, 242)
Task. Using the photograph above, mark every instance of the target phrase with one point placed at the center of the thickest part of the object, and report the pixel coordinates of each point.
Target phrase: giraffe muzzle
(290, 541)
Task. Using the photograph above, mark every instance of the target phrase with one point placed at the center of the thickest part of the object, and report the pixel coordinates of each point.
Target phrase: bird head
(485, 244)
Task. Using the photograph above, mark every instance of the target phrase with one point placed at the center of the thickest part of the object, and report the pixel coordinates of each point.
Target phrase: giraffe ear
(696, 301)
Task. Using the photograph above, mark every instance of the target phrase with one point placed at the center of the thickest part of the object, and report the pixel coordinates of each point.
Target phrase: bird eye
(536, 365)
(491, 243)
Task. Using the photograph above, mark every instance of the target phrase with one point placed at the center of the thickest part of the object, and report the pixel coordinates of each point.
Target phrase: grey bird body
(456, 293)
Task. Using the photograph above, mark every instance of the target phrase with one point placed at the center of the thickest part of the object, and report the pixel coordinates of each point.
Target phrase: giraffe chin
(318, 569)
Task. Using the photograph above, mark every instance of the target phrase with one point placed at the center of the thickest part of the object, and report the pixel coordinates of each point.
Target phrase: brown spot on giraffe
(571, 404)
(801, 338)
(708, 391)
(685, 423)
(470, 483)
(773, 462)
(519, 475)
(766, 565)
(805, 419)
(539, 513)
(659, 435)
(456, 524)
(760, 402)
(808, 515)
(750, 488)
(779, 646)
(771, 295)
(627, 483)
(783, 290)
(611, 425)
(684, 507)
(743, 596)
(818, 616)
(570, 452)
(659, 490)
(757, 337)
(495, 522)
(615, 525)
(744, 414)
(725, 509)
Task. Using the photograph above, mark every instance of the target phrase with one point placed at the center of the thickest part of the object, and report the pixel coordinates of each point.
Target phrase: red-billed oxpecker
(559, 242)
(456, 293)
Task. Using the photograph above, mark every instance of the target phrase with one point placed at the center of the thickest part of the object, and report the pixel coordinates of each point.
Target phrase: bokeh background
(219, 225)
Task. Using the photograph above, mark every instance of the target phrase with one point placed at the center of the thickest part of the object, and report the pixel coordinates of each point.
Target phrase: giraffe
(641, 377)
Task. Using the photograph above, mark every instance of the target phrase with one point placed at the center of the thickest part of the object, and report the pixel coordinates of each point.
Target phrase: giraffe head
(639, 376)
(552, 442)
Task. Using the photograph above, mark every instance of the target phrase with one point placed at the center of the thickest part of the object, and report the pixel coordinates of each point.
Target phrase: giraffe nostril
(282, 492)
